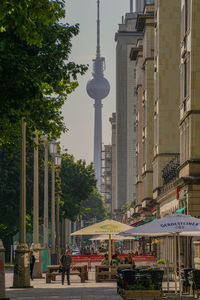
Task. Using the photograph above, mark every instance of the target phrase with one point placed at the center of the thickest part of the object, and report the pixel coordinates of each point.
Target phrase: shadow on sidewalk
(65, 292)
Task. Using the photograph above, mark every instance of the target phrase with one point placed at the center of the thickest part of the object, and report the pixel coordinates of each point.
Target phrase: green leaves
(35, 74)
(77, 183)
(94, 207)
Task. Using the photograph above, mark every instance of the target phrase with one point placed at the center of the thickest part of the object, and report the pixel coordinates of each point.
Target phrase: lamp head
(53, 147)
(58, 160)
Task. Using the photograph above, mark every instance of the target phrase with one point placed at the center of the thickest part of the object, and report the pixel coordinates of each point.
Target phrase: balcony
(171, 170)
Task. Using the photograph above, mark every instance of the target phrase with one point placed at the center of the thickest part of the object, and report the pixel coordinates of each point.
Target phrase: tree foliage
(35, 72)
(10, 192)
(94, 207)
(77, 183)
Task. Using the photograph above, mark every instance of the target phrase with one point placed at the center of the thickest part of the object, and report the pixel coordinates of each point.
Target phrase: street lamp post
(58, 160)
(53, 151)
(21, 277)
(45, 242)
(2, 272)
(36, 245)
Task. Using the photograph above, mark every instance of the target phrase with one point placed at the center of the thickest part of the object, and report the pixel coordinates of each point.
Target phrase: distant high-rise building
(98, 88)
(141, 3)
(106, 189)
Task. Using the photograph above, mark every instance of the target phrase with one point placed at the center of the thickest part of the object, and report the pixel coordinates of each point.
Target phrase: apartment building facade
(126, 37)
(114, 179)
(143, 54)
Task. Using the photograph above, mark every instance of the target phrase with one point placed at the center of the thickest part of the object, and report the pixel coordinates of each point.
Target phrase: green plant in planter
(152, 287)
(161, 261)
(138, 286)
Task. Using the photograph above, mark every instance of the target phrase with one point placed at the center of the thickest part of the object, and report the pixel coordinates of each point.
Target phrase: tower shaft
(97, 141)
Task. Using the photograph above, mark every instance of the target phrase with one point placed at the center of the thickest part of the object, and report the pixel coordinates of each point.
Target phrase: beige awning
(114, 237)
(104, 227)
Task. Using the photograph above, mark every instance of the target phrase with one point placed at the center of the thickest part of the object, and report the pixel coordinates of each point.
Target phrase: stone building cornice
(164, 154)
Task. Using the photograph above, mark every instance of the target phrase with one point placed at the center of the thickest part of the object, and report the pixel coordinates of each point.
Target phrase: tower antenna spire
(98, 31)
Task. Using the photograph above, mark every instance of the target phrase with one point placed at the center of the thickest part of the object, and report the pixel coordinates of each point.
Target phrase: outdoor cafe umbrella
(176, 223)
(115, 237)
(107, 227)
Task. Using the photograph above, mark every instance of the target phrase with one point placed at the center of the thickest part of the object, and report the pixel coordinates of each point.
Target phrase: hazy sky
(78, 110)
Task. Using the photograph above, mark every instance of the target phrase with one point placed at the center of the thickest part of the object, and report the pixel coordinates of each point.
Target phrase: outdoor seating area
(191, 281)
(79, 270)
(140, 283)
(104, 273)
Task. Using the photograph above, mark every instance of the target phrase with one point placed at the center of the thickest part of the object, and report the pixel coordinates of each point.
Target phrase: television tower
(98, 88)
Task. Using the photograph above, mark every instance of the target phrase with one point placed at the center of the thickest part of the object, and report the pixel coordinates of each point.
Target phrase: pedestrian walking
(32, 262)
(65, 262)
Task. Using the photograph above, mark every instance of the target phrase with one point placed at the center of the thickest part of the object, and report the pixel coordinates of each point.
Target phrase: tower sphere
(98, 88)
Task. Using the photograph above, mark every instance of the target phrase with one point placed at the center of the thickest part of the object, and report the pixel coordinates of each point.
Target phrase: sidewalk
(90, 290)
(55, 290)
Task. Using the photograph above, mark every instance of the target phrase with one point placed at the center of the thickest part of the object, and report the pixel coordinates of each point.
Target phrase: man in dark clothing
(32, 261)
(65, 262)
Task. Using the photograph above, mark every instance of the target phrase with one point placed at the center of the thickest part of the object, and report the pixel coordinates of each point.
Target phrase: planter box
(141, 294)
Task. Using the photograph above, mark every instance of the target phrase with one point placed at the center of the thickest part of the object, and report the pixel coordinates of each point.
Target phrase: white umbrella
(176, 223)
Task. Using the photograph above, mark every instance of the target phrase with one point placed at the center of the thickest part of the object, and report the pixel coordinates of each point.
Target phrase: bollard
(2, 272)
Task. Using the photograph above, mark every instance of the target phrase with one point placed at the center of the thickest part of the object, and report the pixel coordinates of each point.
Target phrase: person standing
(32, 262)
(65, 262)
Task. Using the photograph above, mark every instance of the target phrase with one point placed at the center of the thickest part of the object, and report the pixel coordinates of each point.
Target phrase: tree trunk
(7, 242)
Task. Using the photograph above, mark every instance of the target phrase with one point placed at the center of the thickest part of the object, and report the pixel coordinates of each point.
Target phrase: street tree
(36, 75)
(77, 183)
(10, 193)
(94, 208)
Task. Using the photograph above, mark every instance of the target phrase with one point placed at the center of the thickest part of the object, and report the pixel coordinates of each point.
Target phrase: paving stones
(89, 290)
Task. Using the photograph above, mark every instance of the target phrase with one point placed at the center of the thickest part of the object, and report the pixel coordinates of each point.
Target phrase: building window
(187, 140)
(186, 77)
(184, 105)
(135, 91)
(108, 155)
(137, 158)
(187, 15)
(134, 73)
(149, 2)
(143, 114)
(155, 129)
(144, 151)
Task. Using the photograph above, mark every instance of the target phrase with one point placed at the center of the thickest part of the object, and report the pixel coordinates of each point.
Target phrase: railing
(89, 259)
(171, 170)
